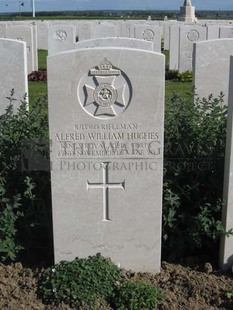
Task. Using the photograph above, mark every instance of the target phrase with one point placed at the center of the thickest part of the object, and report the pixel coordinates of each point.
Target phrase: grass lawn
(36, 90)
(182, 89)
(42, 54)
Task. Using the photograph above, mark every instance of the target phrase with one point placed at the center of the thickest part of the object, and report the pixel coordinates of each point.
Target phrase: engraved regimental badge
(60, 35)
(105, 92)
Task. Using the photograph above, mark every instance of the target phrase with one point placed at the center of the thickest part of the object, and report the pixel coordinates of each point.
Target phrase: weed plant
(94, 282)
(24, 193)
(193, 177)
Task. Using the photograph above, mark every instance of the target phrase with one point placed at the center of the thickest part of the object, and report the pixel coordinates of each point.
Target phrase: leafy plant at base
(22, 131)
(186, 76)
(136, 296)
(176, 76)
(193, 180)
(9, 213)
(94, 282)
(82, 282)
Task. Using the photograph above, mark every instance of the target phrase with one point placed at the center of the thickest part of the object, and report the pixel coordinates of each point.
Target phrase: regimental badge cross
(106, 186)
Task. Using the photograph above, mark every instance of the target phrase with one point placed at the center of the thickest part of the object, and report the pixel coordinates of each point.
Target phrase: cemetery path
(184, 288)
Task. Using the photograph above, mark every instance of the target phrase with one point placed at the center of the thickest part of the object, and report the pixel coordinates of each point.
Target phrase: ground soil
(184, 288)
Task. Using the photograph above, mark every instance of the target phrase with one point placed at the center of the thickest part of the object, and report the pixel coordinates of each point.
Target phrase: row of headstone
(26, 34)
(106, 124)
(103, 138)
(182, 37)
(64, 37)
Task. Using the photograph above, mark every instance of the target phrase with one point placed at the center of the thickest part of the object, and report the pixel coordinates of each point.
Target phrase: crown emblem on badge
(105, 65)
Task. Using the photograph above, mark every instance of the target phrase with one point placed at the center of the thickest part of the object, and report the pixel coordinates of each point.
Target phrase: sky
(62, 5)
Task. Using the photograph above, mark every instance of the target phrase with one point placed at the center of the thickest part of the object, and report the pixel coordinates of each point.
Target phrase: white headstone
(189, 35)
(84, 31)
(212, 32)
(103, 29)
(13, 72)
(127, 29)
(226, 32)
(42, 29)
(60, 38)
(3, 30)
(226, 246)
(211, 67)
(23, 33)
(174, 47)
(35, 45)
(166, 35)
(106, 110)
(115, 42)
(150, 33)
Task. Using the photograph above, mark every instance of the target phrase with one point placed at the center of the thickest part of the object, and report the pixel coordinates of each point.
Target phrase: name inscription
(108, 140)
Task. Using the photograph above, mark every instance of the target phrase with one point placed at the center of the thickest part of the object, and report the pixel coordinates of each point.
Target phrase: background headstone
(61, 38)
(226, 32)
(115, 42)
(211, 67)
(174, 47)
(226, 246)
(212, 32)
(149, 33)
(42, 32)
(25, 34)
(102, 29)
(13, 72)
(106, 110)
(189, 35)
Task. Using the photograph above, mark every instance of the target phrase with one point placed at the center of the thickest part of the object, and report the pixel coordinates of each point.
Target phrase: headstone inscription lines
(106, 186)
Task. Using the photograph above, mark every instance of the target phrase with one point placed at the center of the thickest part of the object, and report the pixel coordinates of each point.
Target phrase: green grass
(36, 90)
(42, 62)
(166, 53)
(182, 89)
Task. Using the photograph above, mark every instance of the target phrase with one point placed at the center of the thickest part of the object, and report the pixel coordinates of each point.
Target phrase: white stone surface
(35, 45)
(226, 246)
(61, 38)
(127, 29)
(107, 105)
(115, 42)
(23, 33)
(174, 47)
(166, 35)
(13, 72)
(102, 29)
(189, 35)
(212, 32)
(226, 32)
(84, 31)
(150, 33)
(3, 30)
(211, 67)
(42, 31)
